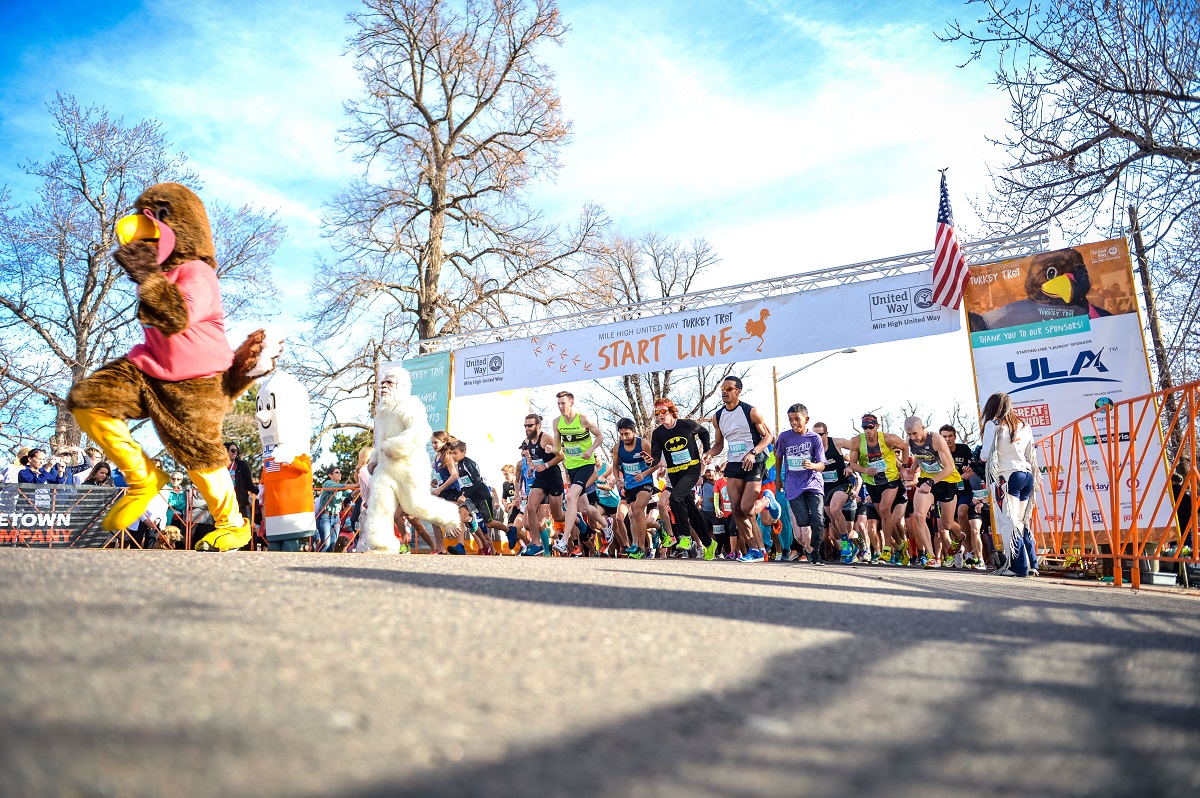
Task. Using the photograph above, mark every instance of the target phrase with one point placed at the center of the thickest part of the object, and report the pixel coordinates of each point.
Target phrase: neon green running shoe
(685, 543)
(710, 551)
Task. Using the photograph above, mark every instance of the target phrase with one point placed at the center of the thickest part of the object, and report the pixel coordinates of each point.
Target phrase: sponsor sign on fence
(1060, 333)
(854, 314)
(48, 516)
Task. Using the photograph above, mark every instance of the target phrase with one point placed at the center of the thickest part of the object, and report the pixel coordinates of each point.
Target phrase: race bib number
(796, 462)
(574, 451)
(464, 481)
(738, 450)
(681, 458)
(879, 465)
(829, 476)
(930, 468)
(718, 529)
(535, 463)
(631, 469)
(980, 494)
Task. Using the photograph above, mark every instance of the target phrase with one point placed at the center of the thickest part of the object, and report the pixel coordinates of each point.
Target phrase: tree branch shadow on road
(782, 733)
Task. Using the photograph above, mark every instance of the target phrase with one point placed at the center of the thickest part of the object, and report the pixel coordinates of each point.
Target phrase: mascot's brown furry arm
(184, 377)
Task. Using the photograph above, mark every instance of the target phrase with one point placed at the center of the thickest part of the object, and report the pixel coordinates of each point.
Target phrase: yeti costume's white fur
(401, 466)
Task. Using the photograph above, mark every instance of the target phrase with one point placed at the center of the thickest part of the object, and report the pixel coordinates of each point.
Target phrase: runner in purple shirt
(801, 456)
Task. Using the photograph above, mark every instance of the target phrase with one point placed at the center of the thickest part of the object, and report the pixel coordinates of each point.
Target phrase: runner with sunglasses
(874, 456)
(541, 456)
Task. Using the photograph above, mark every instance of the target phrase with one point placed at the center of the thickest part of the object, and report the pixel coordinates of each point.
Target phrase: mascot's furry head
(283, 414)
(173, 217)
(1058, 277)
(395, 385)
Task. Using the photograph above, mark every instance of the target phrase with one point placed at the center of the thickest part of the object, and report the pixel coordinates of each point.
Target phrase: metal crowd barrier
(1115, 498)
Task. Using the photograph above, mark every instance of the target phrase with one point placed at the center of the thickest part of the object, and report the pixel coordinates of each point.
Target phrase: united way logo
(923, 299)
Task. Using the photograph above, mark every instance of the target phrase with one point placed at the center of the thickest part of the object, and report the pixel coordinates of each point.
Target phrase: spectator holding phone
(38, 472)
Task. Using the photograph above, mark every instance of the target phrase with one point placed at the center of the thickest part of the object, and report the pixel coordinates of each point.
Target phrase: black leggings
(683, 507)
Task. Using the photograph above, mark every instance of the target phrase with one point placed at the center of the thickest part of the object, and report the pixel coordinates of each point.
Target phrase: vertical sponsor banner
(1060, 333)
(430, 376)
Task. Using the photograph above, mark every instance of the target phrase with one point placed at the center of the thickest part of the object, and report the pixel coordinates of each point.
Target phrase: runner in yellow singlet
(576, 437)
(877, 464)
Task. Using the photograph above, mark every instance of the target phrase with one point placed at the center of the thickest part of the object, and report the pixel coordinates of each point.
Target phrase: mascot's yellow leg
(233, 531)
(144, 478)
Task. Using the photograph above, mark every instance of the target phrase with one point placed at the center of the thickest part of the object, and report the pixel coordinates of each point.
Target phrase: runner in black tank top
(538, 447)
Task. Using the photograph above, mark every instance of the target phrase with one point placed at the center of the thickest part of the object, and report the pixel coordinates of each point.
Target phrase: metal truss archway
(977, 254)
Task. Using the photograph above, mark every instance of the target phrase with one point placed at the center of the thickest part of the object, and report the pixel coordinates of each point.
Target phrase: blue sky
(793, 136)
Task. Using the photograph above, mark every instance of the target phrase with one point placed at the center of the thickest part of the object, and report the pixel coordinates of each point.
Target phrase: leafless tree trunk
(65, 305)
(458, 117)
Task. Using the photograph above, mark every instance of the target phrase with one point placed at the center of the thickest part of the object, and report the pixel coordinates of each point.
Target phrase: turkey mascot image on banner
(400, 465)
(285, 427)
(183, 377)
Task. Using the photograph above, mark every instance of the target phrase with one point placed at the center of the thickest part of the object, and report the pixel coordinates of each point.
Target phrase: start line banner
(818, 320)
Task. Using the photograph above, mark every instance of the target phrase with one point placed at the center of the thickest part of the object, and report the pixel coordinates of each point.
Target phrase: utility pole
(1165, 383)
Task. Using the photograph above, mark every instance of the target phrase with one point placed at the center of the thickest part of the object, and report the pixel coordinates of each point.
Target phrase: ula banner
(1060, 333)
(854, 314)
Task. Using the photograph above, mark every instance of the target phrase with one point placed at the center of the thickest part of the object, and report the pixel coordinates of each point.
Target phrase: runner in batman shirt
(741, 429)
(873, 455)
(674, 441)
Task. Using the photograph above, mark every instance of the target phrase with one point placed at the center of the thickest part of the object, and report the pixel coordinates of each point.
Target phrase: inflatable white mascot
(285, 427)
(400, 464)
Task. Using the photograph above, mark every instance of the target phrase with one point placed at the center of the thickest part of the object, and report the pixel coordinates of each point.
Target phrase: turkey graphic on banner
(1060, 333)
(855, 314)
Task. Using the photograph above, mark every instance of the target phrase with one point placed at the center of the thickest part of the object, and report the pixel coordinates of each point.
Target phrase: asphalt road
(179, 674)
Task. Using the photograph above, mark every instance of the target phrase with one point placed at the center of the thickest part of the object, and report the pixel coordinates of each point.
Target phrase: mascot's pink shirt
(202, 349)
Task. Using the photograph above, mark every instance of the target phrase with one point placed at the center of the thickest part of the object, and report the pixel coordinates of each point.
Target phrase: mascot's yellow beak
(1062, 287)
(137, 227)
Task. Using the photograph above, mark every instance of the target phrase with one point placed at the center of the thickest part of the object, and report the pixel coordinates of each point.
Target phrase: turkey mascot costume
(183, 377)
(285, 429)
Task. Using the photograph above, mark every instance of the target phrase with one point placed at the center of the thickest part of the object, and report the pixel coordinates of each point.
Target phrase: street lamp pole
(776, 379)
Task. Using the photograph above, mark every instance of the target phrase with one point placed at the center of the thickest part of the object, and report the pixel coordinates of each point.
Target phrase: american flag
(950, 270)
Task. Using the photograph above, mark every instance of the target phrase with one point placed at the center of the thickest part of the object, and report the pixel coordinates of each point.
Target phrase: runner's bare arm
(768, 437)
(597, 435)
(852, 463)
(453, 469)
(557, 449)
(718, 442)
(944, 457)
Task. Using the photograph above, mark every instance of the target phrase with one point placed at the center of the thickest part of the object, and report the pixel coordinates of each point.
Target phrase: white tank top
(736, 431)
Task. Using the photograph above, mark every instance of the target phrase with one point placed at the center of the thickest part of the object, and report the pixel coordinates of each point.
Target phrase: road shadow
(798, 726)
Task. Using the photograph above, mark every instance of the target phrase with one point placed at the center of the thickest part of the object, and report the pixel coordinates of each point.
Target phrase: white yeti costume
(401, 466)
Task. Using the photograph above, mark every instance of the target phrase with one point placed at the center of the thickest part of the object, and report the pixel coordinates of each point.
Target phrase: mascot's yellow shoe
(225, 538)
(130, 507)
(232, 530)
(144, 478)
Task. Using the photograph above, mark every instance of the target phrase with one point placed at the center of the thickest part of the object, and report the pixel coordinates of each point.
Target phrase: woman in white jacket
(1011, 459)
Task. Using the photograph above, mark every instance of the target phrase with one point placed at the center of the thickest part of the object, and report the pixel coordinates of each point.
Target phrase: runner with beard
(937, 481)
(547, 487)
(674, 441)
